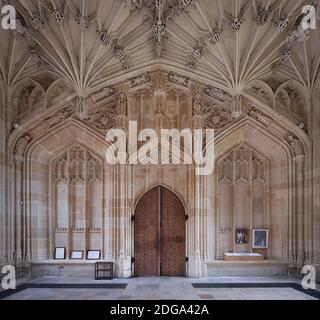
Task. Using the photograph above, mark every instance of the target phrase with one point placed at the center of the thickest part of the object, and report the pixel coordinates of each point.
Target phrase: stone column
(19, 196)
(195, 262)
(124, 221)
(6, 229)
(299, 206)
(123, 210)
(299, 212)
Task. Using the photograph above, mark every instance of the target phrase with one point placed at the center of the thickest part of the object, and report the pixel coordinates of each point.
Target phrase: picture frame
(241, 236)
(76, 255)
(93, 254)
(59, 253)
(260, 238)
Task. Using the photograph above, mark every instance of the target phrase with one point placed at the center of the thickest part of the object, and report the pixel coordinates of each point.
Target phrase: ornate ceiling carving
(92, 45)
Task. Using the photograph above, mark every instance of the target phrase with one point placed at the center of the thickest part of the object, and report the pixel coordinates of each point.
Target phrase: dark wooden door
(159, 235)
(173, 257)
(146, 235)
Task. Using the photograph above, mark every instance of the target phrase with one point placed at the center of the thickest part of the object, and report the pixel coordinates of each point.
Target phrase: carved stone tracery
(103, 118)
(242, 176)
(242, 165)
(215, 117)
(76, 182)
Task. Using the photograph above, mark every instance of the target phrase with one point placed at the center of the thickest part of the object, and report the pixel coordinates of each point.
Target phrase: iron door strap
(160, 206)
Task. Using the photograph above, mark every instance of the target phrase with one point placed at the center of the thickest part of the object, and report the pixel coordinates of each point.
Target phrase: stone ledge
(262, 268)
(66, 262)
(79, 268)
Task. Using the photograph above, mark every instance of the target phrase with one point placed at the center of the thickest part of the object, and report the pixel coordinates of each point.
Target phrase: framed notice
(93, 254)
(241, 236)
(260, 238)
(76, 255)
(59, 253)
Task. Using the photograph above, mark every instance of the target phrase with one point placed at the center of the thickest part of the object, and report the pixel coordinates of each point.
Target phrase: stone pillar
(6, 230)
(299, 206)
(124, 221)
(19, 197)
(122, 185)
(209, 224)
(195, 261)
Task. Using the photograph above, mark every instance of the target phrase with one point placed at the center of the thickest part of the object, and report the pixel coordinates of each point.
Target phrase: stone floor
(229, 288)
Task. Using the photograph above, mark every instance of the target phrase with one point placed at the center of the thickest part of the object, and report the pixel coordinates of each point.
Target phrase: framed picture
(76, 255)
(93, 254)
(242, 236)
(59, 253)
(260, 238)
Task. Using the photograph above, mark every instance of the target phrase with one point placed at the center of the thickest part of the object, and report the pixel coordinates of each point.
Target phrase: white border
(267, 239)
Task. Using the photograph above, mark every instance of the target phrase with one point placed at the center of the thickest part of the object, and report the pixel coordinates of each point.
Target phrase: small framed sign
(260, 238)
(93, 254)
(241, 236)
(60, 253)
(76, 255)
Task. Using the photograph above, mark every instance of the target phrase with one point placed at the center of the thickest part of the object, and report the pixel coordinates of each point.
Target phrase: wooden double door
(159, 235)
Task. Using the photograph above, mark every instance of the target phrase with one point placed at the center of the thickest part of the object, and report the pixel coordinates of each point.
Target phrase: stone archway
(159, 234)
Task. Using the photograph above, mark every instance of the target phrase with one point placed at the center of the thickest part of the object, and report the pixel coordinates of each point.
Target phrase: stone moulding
(139, 80)
(260, 116)
(179, 79)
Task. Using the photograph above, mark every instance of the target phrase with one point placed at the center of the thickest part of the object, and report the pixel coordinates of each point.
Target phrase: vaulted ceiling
(228, 44)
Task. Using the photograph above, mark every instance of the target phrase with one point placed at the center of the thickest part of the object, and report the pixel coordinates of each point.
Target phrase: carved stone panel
(103, 118)
(215, 117)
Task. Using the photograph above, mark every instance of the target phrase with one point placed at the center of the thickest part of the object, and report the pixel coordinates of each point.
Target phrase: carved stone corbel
(295, 143)
(81, 108)
(122, 109)
(59, 116)
(260, 116)
(236, 106)
(139, 80)
(197, 118)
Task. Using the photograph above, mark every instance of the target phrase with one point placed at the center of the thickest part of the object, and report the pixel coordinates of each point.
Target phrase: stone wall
(40, 154)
